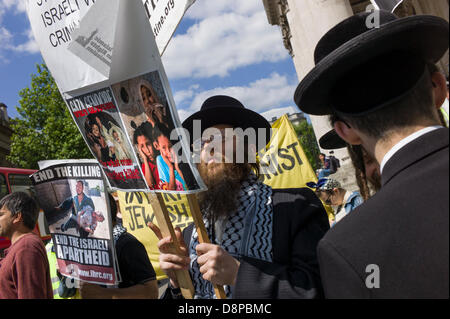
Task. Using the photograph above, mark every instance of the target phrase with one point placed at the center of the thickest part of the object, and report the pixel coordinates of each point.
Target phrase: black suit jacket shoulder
(403, 230)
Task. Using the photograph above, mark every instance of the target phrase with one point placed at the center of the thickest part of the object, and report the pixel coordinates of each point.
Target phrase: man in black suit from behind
(379, 88)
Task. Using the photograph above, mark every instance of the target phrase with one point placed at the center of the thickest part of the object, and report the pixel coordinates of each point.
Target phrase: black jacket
(403, 230)
(299, 222)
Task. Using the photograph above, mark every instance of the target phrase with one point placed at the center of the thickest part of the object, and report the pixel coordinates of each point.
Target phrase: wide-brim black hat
(332, 141)
(353, 43)
(222, 109)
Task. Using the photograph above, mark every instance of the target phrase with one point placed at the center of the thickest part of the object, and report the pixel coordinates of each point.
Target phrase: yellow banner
(137, 212)
(285, 165)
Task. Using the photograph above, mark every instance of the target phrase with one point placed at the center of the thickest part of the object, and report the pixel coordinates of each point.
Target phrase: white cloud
(7, 43)
(181, 96)
(207, 8)
(230, 35)
(278, 112)
(184, 114)
(30, 46)
(5, 40)
(18, 5)
(260, 96)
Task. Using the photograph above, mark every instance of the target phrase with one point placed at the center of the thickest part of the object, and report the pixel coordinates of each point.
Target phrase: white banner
(388, 5)
(165, 15)
(111, 75)
(81, 56)
(53, 22)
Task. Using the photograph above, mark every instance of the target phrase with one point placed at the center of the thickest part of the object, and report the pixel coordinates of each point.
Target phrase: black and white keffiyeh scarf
(248, 233)
(118, 231)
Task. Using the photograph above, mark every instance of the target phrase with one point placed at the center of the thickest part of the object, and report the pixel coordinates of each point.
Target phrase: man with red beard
(263, 240)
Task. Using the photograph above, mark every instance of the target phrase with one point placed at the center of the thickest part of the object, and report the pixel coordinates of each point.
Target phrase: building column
(308, 21)
(437, 8)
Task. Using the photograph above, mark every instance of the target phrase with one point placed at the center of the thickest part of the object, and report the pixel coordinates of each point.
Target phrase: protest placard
(137, 211)
(284, 163)
(113, 90)
(99, 122)
(114, 41)
(54, 22)
(164, 18)
(72, 196)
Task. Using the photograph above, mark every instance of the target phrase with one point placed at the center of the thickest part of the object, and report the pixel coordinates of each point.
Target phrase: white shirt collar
(346, 197)
(403, 143)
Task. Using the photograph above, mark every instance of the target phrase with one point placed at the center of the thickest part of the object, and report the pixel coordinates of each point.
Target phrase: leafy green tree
(44, 129)
(305, 133)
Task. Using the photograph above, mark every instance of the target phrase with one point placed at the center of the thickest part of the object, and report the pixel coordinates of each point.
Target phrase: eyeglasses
(326, 201)
(200, 143)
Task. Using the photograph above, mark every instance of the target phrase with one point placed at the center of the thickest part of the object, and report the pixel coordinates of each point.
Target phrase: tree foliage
(44, 129)
(305, 133)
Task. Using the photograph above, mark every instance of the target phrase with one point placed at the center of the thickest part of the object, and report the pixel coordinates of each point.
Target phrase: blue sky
(220, 47)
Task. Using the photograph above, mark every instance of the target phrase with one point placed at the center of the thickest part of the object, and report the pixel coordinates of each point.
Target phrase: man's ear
(17, 218)
(347, 133)
(439, 88)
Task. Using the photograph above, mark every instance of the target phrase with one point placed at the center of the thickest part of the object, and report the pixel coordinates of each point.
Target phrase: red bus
(17, 180)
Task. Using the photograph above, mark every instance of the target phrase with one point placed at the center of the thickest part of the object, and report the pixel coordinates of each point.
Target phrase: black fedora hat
(332, 141)
(353, 43)
(222, 109)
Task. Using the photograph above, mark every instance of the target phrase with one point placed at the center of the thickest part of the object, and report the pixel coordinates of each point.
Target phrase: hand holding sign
(168, 261)
(216, 265)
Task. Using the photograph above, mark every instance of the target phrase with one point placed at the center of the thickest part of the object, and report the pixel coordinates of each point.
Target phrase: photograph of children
(149, 121)
(98, 120)
(106, 138)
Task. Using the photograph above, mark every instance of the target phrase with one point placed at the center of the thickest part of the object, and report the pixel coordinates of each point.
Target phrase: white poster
(165, 15)
(388, 5)
(53, 22)
(113, 42)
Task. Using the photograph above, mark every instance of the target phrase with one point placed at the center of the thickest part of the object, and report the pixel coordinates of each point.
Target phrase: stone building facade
(304, 22)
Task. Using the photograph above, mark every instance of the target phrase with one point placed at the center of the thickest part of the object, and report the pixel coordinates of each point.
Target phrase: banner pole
(203, 235)
(165, 225)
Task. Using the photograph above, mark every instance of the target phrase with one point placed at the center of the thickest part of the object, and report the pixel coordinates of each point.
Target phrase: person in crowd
(263, 240)
(335, 164)
(75, 204)
(376, 85)
(367, 170)
(324, 169)
(167, 162)
(99, 145)
(63, 287)
(153, 109)
(88, 219)
(331, 193)
(119, 150)
(142, 138)
(137, 273)
(24, 271)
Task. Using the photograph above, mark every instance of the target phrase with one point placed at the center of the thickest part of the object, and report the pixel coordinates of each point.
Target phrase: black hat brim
(332, 141)
(235, 117)
(425, 36)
